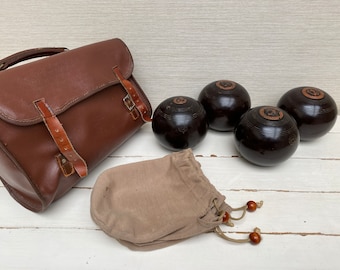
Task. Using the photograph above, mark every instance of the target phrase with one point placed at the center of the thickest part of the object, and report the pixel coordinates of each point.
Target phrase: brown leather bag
(62, 115)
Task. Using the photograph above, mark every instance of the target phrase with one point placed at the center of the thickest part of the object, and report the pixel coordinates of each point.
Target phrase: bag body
(160, 202)
(62, 115)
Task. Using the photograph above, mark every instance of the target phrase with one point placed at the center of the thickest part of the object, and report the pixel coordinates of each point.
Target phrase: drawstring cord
(254, 237)
(250, 206)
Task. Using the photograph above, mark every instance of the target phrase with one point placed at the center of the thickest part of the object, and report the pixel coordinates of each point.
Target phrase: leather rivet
(56, 130)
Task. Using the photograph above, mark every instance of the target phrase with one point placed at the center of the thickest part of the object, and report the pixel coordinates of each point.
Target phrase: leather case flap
(62, 80)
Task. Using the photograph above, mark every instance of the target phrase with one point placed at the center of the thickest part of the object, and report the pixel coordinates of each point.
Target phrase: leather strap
(28, 54)
(132, 92)
(60, 138)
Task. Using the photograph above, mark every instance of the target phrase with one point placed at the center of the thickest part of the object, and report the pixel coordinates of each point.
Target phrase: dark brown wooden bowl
(224, 102)
(266, 136)
(314, 110)
(179, 122)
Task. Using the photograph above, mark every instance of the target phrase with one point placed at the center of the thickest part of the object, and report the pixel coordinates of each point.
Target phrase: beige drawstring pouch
(156, 203)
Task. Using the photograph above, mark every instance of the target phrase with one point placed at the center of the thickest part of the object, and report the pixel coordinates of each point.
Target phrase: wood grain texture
(179, 47)
(299, 219)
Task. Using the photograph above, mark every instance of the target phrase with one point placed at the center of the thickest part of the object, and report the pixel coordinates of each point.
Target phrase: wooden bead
(255, 238)
(251, 206)
(226, 217)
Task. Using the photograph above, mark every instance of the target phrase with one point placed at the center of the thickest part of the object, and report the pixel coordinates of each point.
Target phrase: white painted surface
(179, 47)
(299, 220)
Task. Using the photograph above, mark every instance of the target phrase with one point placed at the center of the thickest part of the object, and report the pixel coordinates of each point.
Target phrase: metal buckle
(129, 102)
(65, 166)
(131, 106)
(134, 114)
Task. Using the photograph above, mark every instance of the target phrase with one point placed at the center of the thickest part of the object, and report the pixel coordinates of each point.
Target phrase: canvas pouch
(156, 203)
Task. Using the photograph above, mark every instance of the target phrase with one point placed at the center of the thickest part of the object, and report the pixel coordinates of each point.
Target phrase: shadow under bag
(62, 115)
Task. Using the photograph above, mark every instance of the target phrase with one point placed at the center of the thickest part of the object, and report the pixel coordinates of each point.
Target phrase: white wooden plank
(72, 211)
(91, 249)
(289, 212)
(236, 173)
(326, 148)
(282, 212)
(293, 175)
(296, 174)
(314, 175)
(222, 144)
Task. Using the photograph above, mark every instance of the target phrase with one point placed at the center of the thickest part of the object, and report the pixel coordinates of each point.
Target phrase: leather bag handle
(29, 54)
